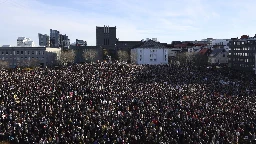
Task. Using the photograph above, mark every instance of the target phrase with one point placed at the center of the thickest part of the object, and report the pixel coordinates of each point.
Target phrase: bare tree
(133, 56)
(4, 64)
(33, 62)
(89, 55)
(192, 58)
(67, 57)
(122, 55)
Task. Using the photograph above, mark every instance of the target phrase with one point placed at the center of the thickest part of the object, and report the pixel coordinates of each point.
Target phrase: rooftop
(215, 52)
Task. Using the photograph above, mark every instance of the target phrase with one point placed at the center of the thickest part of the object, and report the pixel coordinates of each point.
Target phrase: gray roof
(215, 52)
(151, 44)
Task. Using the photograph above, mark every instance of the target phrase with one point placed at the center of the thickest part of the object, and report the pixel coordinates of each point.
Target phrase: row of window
(18, 58)
(245, 48)
(153, 59)
(22, 52)
(240, 54)
(106, 41)
(241, 60)
(243, 65)
(243, 42)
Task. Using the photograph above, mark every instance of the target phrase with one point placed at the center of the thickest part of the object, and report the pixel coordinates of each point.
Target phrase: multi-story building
(29, 56)
(242, 53)
(208, 41)
(64, 41)
(44, 40)
(220, 42)
(54, 38)
(106, 37)
(25, 42)
(23, 56)
(150, 52)
(81, 42)
(58, 40)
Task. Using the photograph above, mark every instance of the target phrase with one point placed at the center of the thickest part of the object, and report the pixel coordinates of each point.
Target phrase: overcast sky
(166, 20)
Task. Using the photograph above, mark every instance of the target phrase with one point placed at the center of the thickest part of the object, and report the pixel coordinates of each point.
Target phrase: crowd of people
(123, 103)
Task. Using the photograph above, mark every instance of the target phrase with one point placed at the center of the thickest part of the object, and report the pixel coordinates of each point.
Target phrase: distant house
(150, 52)
(172, 52)
(195, 49)
(218, 56)
(205, 52)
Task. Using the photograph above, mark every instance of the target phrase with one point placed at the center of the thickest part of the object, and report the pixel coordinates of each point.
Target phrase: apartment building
(23, 56)
(150, 52)
(242, 53)
(44, 40)
(25, 42)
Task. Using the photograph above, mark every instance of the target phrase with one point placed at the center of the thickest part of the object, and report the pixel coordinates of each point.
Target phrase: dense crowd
(120, 103)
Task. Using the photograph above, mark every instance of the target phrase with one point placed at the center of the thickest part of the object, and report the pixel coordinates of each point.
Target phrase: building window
(21, 52)
(18, 52)
(242, 43)
(2, 53)
(151, 59)
(154, 59)
(32, 52)
(141, 51)
(28, 52)
(6, 52)
(140, 59)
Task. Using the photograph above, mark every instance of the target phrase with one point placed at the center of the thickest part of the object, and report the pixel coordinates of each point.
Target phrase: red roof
(203, 51)
(244, 37)
(200, 44)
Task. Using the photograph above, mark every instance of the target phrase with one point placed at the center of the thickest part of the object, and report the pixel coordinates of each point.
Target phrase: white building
(25, 42)
(218, 56)
(150, 52)
(220, 42)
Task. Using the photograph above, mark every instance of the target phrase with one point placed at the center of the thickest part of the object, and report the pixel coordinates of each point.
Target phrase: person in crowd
(123, 103)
